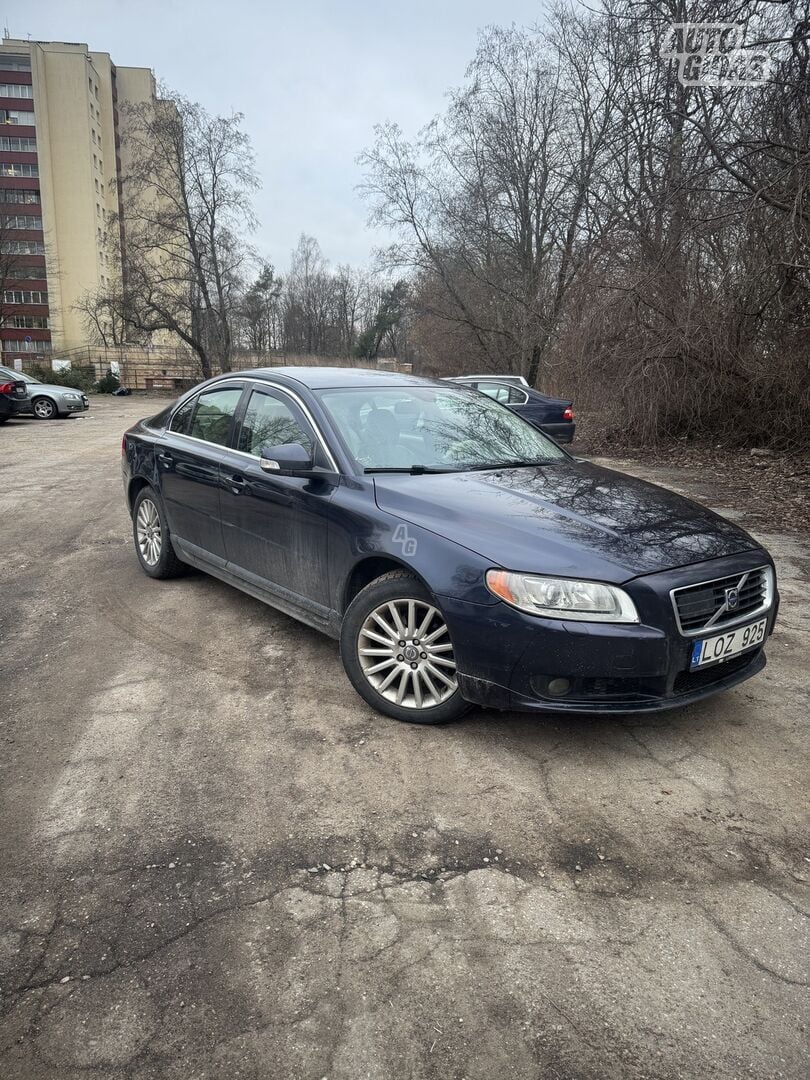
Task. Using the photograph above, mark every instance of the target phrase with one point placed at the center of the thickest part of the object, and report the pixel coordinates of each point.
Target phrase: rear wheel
(44, 408)
(151, 533)
(397, 652)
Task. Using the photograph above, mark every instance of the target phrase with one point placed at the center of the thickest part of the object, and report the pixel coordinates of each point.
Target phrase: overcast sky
(311, 77)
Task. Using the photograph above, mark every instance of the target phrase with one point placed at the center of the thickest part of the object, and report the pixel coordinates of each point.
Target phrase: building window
(15, 116)
(22, 247)
(27, 273)
(27, 146)
(24, 296)
(15, 63)
(28, 322)
(19, 195)
(21, 221)
(26, 346)
(15, 168)
(18, 90)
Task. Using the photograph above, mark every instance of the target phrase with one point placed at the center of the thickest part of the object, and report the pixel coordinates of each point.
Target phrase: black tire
(399, 586)
(47, 409)
(3, 419)
(165, 564)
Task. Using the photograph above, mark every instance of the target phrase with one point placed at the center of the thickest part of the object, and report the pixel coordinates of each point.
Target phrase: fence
(172, 370)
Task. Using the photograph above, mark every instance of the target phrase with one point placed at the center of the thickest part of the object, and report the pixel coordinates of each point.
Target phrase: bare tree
(186, 205)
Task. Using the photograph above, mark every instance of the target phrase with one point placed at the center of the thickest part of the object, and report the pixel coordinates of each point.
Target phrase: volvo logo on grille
(732, 599)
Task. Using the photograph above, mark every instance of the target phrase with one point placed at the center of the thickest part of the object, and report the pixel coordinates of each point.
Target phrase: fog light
(559, 687)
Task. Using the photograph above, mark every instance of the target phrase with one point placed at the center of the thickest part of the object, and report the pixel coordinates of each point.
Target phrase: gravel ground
(218, 862)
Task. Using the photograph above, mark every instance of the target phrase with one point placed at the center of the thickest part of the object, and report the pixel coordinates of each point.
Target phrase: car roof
(327, 378)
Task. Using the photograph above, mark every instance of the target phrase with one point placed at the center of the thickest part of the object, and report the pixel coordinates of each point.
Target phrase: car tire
(150, 532)
(416, 681)
(3, 419)
(44, 408)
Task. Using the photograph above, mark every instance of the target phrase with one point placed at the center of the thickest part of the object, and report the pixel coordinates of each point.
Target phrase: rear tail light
(7, 388)
(568, 414)
(123, 446)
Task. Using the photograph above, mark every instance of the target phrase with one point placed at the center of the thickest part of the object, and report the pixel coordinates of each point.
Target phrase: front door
(188, 459)
(275, 527)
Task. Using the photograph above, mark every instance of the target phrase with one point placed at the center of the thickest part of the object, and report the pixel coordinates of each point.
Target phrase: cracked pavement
(219, 862)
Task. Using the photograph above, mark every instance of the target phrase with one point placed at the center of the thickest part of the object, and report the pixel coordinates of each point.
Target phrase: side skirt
(317, 616)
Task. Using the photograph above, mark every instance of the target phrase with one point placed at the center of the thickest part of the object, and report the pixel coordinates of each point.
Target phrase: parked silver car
(46, 401)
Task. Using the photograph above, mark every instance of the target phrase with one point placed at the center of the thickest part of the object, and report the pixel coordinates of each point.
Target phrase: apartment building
(61, 126)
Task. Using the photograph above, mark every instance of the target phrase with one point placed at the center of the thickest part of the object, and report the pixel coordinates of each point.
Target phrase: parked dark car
(457, 553)
(48, 401)
(554, 416)
(13, 394)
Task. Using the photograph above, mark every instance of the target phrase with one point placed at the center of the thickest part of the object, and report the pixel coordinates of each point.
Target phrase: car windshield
(434, 428)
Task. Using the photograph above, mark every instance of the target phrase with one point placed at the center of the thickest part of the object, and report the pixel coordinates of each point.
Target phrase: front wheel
(44, 408)
(397, 652)
(151, 534)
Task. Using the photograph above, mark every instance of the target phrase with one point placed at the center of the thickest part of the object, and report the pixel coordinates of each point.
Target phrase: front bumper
(506, 659)
(69, 405)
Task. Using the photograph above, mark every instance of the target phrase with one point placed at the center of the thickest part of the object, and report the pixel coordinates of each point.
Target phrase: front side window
(455, 429)
(213, 415)
(271, 421)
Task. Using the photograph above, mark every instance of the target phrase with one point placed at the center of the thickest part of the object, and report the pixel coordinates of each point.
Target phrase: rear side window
(495, 390)
(213, 415)
(270, 421)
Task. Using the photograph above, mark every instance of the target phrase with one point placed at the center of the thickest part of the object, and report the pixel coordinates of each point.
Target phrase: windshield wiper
(515, 464)
(410, 470)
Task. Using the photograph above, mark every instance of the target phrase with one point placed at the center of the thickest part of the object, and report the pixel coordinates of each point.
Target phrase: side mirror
(288, 459)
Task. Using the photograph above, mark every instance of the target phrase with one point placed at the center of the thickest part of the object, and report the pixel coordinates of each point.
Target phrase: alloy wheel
(44, 409)
(406, 654)
(148, 532)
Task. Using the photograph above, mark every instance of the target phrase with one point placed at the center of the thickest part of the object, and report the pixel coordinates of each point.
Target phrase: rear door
(188, 461)
(275, 527)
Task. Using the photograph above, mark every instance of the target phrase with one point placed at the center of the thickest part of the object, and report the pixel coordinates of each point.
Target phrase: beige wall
(78, 175)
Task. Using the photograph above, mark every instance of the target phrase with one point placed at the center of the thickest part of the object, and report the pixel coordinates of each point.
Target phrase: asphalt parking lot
(218, 862)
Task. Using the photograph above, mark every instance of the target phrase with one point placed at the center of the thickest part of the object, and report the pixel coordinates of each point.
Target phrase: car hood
(570, 518)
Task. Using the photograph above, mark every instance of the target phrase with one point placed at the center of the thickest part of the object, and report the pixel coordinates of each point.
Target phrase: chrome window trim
(236, 381)
(711, 630)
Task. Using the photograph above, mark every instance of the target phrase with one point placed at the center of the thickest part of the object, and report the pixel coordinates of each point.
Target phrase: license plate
(714, 649)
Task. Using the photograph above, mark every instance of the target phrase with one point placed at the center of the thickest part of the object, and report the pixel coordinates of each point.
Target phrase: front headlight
(71, 397)
(563, 598)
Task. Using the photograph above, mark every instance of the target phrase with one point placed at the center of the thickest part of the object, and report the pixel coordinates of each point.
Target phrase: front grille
(706, 606)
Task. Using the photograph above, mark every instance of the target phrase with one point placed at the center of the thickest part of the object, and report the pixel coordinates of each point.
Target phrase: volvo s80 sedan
(458, 554)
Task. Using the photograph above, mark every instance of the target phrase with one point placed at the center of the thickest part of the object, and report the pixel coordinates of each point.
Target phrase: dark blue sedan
(553, 415)
(458, 554)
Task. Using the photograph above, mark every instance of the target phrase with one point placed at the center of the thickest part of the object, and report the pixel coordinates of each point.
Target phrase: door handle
(237, 482)
(167, 459)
